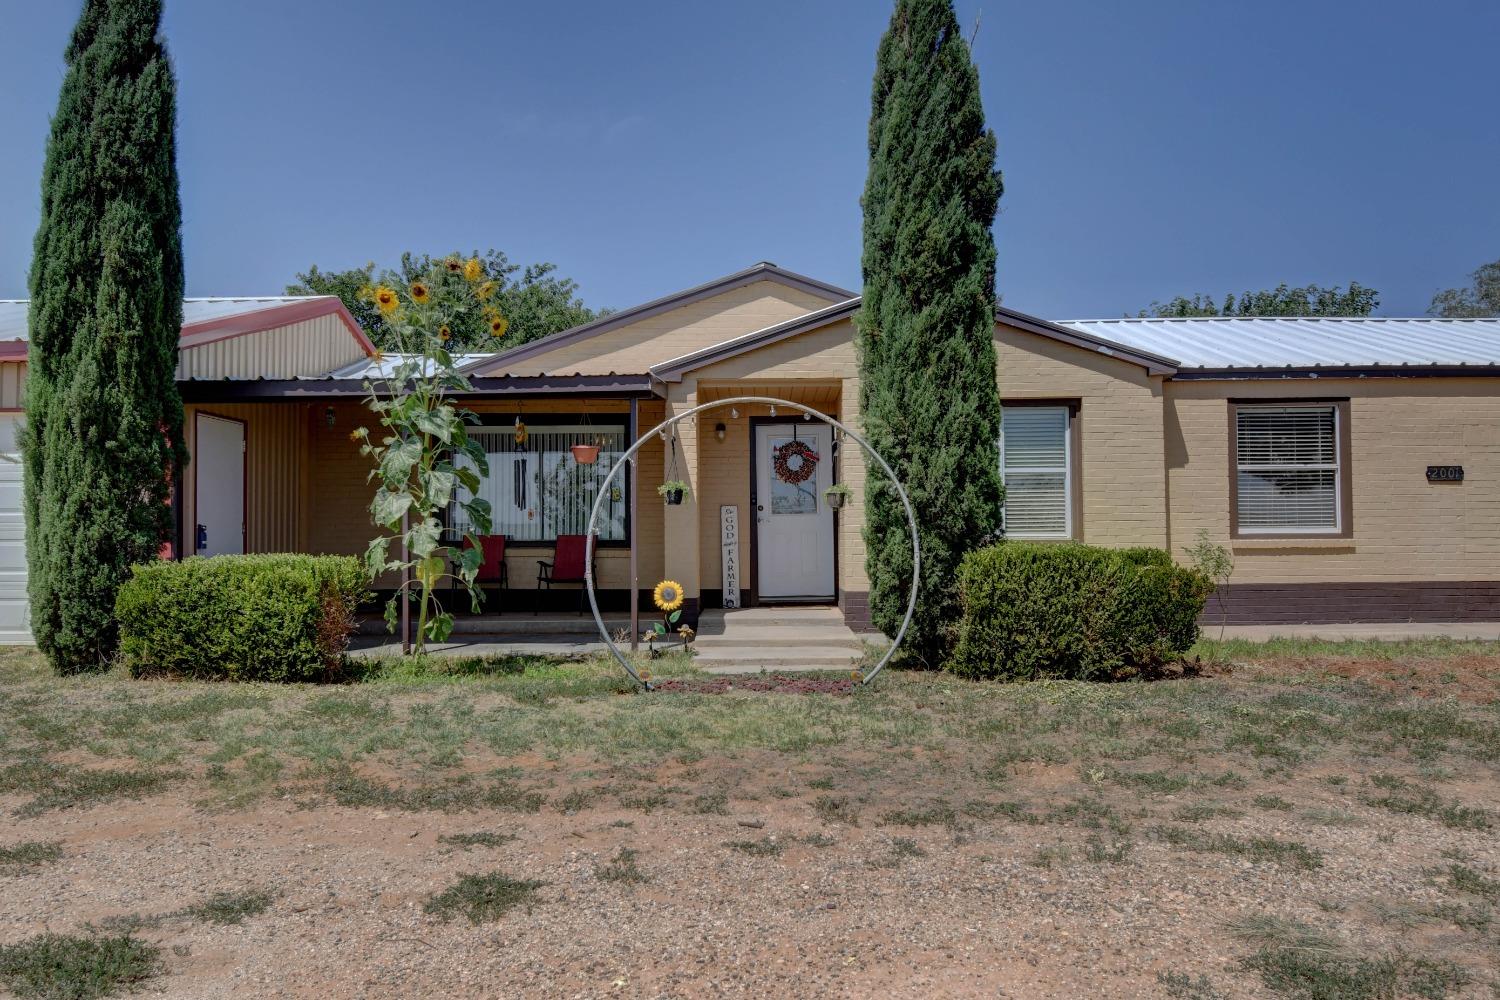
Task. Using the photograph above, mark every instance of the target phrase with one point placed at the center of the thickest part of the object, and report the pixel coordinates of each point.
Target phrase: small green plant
(25, 857)
(1216, 562)
(836, 809)
(1272, 802)
(766, 847)
(1181, 986)
(483, 898)
(623, 867)
(484, 838)
(73, 967)
(713, 803)
(674, 491)
(1287, 853)
(230, 907)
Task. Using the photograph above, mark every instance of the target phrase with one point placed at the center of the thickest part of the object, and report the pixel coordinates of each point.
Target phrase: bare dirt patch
(1212, 836)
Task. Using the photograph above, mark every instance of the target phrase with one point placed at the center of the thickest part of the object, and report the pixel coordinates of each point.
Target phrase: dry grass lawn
(1300, 821)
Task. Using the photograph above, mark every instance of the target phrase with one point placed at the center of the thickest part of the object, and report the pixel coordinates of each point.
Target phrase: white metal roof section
(1306, 342)
(194, 311)
(372, 369)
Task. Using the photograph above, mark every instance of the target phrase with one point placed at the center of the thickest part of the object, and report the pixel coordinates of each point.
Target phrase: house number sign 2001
(1445, 473)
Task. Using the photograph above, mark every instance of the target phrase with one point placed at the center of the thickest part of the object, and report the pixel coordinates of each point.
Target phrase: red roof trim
(212, 331)
(13, 350)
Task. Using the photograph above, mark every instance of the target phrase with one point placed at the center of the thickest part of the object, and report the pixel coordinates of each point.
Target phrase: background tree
(928, 391)
(1308, 300)
(534, 299)
(1481, 298)
(103, 435)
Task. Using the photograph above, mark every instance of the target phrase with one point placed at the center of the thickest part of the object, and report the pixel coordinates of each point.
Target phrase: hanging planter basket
(585, 454)
(835, 500)
(674, 498)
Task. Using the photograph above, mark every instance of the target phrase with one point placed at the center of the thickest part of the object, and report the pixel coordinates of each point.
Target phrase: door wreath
(794, 462)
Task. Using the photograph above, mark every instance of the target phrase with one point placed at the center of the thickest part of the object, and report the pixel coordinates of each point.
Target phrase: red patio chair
(566, 567)
(493, 569)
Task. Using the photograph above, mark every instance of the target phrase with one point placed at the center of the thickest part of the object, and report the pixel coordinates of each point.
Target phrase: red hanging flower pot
(585, 454)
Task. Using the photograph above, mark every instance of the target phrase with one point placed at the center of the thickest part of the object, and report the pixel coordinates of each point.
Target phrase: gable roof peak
(760, 271)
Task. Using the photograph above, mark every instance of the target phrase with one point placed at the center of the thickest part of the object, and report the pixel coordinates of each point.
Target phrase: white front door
(793, 523)
(219, 486)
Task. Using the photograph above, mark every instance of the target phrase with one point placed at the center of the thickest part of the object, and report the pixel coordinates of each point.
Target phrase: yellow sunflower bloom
(668, 595)
(454, 265)
(444, 333)
(386, 299)
(473, 269)
(485, 290)
(420, 293)
(498, 326)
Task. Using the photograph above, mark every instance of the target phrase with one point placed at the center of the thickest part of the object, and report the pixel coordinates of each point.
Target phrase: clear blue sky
(1149, 148)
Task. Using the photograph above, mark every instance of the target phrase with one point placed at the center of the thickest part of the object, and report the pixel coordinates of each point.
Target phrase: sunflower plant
(422, 434)
(668, 597)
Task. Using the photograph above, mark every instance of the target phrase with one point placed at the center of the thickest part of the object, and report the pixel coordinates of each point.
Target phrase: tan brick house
(1351, 465)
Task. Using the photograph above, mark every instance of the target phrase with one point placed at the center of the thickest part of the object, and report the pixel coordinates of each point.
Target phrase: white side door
(219, 486)
(15, 609)
(793, 523)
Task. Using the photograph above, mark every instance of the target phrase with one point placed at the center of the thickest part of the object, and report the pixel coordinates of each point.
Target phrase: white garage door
(15, 611)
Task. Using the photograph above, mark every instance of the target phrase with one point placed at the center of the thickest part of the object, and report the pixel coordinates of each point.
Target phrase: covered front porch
(274, 469)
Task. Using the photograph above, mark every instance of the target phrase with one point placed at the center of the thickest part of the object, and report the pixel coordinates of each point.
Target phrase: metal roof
(1300, 342)
(386, 364)
(194, 311)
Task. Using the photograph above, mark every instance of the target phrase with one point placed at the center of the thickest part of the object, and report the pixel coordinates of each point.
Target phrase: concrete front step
(763, 635)
(750, 659)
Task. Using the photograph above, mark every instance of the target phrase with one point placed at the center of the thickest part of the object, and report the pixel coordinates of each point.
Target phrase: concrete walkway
(1375, 631)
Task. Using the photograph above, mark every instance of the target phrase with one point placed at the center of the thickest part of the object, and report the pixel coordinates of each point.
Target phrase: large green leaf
(396, 466)
(439, 627)
(388, 506)
(423, 538)
(439, 485)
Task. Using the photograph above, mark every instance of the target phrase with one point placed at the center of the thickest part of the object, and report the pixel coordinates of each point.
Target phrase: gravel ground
(974, 915)
(874, 871)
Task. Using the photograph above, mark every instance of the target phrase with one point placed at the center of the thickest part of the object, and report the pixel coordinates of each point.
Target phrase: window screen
(1287, 469)
(1034, 466)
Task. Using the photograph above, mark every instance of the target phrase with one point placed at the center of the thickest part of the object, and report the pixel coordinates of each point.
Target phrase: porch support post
(635, 586)
(681, 521)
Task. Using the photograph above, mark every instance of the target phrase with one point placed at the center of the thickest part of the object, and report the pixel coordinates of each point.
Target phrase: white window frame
(1337, 467)
(1067, 472)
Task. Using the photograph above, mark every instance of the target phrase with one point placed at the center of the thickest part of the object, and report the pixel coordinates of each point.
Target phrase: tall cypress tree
(103, 436)
(926, 331)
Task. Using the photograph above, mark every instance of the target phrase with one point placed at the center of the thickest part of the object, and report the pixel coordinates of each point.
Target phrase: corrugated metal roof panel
(1305, 342)
(197, 310)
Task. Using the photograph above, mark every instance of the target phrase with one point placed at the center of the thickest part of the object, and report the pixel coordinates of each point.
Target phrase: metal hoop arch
(911, 522)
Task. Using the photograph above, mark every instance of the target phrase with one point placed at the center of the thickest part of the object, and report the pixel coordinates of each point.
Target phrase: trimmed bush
(1073, 611)
(240, 618)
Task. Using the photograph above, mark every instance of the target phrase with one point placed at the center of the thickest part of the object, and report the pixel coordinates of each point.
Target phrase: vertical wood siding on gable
(311, 347)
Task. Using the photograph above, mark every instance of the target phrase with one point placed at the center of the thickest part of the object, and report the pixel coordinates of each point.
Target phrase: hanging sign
(729, 543)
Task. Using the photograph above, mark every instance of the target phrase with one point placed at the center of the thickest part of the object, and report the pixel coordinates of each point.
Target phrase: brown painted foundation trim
(1349, 603)
(855, 604)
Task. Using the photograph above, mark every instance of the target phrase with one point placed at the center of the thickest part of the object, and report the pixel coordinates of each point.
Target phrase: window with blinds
(537, 491)
(1287, 469)
(1034, 466)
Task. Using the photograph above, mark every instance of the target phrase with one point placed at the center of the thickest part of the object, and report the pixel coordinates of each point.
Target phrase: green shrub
(240, 618)
(1073, 611)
